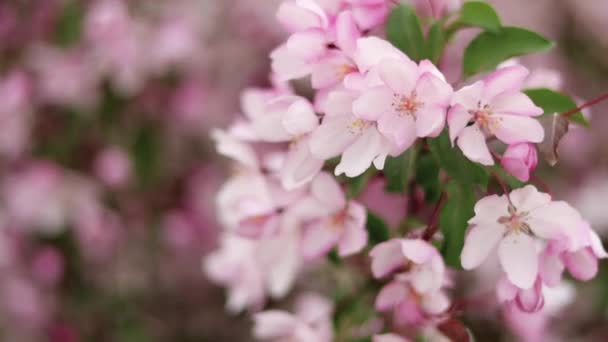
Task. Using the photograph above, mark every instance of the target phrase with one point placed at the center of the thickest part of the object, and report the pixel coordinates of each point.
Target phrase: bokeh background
(108, 174)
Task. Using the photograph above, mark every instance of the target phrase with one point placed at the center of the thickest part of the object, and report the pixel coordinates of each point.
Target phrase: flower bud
(519, 160)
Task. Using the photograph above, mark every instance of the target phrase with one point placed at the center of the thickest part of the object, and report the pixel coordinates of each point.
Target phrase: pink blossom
(527, 300)
(253, 269)
(496, 107)
(408, 305)
(336, 221)
(113, 166)
(310, 322)
(519, 160)
(518, 225)
(15, 116)
(423, 263)
(580, 259)
(407, 101)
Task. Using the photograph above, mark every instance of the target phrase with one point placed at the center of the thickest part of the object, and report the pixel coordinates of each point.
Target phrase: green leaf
(455, 163)
(511, 181)
(398, 170)
(69, 24)
(489, 49)
(427, 176)
(479, 14)
(377, 229)
(403, 30)
(146, 154)
(555, 102)
(435, 42)
(334, 258)
(457, 210)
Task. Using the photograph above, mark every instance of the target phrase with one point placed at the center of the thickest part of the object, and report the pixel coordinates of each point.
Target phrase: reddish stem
(433, 226)
(585, 105)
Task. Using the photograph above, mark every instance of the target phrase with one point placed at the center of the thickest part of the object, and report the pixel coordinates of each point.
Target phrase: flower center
(406, 105)
(358, 125)
(483, 117)
(516, 222)
(342, 70)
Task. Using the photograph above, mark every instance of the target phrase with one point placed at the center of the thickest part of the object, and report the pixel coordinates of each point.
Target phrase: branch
(433, 225)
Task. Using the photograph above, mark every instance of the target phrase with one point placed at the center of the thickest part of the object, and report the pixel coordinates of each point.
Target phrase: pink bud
(519, 160)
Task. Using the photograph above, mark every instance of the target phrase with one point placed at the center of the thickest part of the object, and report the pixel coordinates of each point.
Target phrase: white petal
(519, 259)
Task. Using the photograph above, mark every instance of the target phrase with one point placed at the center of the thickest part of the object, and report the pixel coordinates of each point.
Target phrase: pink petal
(518, 258)
(371, 50)
(479, 242)
(319, 239)
(435, 303)
(515, 103)
(582, 264)
(369, 17)
(354, 237)
(326, 190)
(399, 130)
(505, 291)
(427, 67)
(528, 198)
(434, 91)
(300, 166)
(339, 103)
(301, 15)
(551, 269)
(332, 137)
(531, 300)
(390, 296)
(307, 45)
(286, 66)
(399, 75)
(473, 144)
(331, 70)
(347, 32)
(515, 129)
(386, 257)
(359, 156)
(469, 96)
(554, 220)
(373, 103)
(489, 209)
(430, 121)
(505, 79)
(300, 118)
(418, 251)
(273, 324)
(458, 119)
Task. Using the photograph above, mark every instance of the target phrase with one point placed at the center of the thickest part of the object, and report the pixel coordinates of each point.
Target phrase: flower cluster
(371, 103)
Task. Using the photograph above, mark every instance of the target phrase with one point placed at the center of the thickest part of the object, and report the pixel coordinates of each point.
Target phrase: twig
(433, 226)
(585, 105)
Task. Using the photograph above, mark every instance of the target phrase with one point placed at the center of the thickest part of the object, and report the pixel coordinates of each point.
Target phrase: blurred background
(108, 174)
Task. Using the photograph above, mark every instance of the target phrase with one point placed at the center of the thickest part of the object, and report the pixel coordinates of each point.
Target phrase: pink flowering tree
(359, 98)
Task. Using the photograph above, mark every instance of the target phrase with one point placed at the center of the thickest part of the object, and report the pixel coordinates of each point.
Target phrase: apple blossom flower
(15, 114)
(519, 160)
(580, 259)
(311, 321)
(253, 269)
(518, 225)
(335, 221)
(408, 101)
(410, 307)
(423, 263)
(496, 107)
(527, 300)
